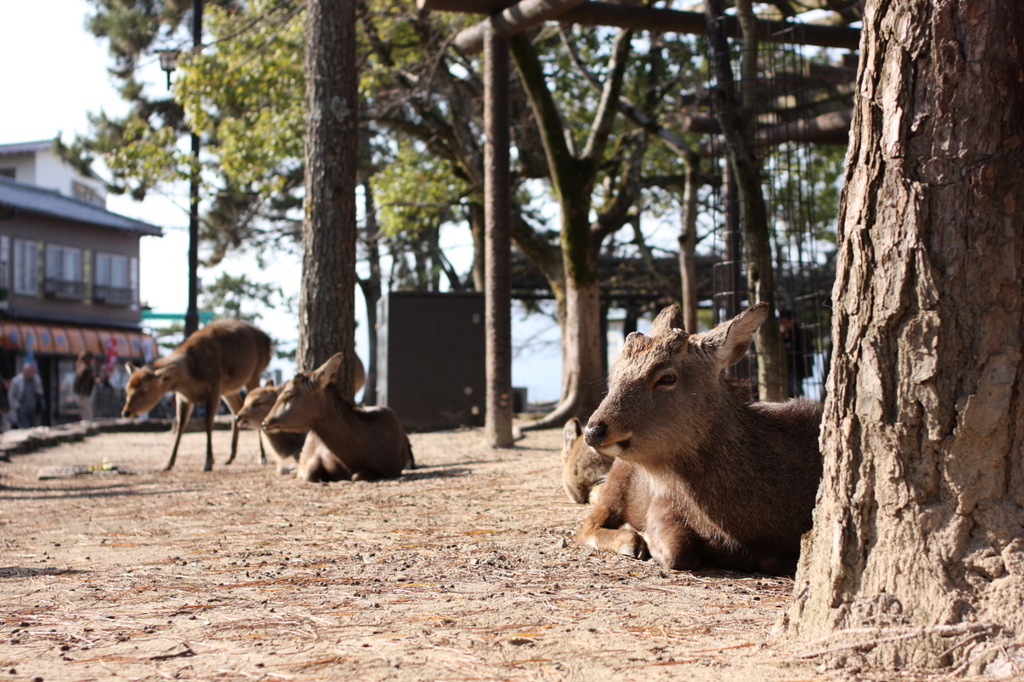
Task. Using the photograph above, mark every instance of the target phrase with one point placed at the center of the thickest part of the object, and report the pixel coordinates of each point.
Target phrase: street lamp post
(192, 314)
(168, 62)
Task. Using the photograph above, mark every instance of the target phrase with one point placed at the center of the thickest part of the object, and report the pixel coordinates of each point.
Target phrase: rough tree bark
(917, 551)
(327, 297)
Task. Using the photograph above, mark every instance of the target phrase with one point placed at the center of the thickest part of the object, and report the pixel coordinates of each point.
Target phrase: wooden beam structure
(830, 128)
(511, 18)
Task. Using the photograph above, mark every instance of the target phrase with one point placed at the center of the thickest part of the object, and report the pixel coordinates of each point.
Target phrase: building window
(111, 284)
(7, 173)
(64, 272)
(86, 193)
(26, 267)
(5, 264)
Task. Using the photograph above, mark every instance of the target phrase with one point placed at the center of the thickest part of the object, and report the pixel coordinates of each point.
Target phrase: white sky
(54, 74)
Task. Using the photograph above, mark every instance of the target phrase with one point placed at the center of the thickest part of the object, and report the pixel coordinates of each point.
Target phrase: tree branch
(608, 108)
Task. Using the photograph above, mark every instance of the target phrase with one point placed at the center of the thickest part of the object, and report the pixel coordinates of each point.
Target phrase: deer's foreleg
(607, 527)
(211, 413)
(671, 540)
(234, 401)
(182, 411)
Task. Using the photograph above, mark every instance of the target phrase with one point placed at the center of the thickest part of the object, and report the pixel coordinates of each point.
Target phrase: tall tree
(573, 175)
(917, 556)
(327, 296)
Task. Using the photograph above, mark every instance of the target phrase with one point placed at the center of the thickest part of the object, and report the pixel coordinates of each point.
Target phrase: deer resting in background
(286, 444)
(360, 443)
(583, 469)
(702, 475)
(216, 361)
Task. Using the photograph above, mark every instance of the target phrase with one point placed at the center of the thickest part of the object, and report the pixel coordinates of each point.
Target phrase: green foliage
(169, 336)
(417, 191)
(247, 94)
(240, 298)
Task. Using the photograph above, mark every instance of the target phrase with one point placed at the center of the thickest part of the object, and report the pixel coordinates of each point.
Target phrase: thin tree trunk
(739, 125)
(327, 298)
(498, 240)
(371, 287)
(688, 247)
(918, 523)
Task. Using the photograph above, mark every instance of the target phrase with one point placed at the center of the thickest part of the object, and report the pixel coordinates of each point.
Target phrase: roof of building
(25, 147)
(21, 196)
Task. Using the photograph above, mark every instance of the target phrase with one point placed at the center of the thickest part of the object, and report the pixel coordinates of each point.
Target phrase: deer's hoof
(635, 547)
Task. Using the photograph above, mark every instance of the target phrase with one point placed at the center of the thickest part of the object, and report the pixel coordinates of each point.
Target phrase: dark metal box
(430, 364)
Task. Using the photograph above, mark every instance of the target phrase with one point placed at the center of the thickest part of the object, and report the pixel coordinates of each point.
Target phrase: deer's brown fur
(287, 445)
(702, 476)
(360, 443)
(214, 362)
(583, 469)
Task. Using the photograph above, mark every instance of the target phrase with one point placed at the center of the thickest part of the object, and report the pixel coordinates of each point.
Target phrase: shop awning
(66, 339)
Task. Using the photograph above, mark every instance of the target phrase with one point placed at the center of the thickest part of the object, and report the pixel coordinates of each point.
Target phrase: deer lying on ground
(583, 469)
(214, 362)
(286, 444)
(360, 443)
(702, 476)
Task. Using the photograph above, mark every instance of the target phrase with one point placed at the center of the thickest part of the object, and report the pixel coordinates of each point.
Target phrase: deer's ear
(166, 373)
(132, 369)
(668, 319)
(731, 340)
(327, 372)
(572, 431)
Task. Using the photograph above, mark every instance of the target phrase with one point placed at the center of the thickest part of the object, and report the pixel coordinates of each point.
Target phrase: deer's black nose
(594, 435)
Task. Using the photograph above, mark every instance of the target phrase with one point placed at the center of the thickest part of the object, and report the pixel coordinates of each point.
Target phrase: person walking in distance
(26, 396)
(85, 384)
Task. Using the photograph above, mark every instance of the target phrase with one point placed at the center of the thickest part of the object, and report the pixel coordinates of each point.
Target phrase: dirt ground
(463, 569)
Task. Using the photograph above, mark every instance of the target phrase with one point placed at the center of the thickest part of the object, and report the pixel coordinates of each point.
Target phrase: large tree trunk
(327, 298)
(917, 551)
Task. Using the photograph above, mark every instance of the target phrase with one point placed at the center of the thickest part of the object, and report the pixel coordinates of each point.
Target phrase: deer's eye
(666, 380)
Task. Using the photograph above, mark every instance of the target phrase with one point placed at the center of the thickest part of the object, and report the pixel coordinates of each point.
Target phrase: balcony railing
(58, 288)
(111, 295)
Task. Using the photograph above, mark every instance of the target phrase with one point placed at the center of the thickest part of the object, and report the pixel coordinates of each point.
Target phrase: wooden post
(497, 236)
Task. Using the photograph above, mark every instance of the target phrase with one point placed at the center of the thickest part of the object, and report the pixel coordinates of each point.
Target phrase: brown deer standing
(702, 475)
(286, 444)
(360, 443)
(583, 469)
(214, 362)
